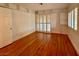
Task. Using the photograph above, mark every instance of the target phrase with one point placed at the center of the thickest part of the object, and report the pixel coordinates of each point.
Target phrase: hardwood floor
(40, 44)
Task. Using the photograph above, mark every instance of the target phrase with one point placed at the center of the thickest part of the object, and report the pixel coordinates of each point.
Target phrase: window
(72, 18)
(43, 23)
(76, 11)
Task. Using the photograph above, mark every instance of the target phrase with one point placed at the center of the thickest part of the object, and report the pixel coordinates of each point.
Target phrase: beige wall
(22, 24)
(55, 22)
(5, 26)
(63, 18)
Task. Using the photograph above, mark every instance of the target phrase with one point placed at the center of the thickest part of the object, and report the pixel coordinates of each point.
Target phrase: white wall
(23, 23)
(63, 18)
(55, 20)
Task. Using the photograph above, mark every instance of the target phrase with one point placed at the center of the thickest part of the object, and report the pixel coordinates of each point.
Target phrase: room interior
(39, 29)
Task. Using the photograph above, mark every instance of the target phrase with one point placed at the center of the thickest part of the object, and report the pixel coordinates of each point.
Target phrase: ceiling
(44, 6)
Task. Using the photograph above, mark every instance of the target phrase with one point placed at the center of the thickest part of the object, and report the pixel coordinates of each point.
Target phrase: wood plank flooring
(40, 44)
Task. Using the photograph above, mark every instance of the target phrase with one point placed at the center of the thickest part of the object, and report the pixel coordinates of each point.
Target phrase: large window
(72, 18)
(43, 23)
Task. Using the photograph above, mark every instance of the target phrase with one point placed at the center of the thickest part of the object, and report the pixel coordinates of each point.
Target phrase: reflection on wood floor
(40, 44)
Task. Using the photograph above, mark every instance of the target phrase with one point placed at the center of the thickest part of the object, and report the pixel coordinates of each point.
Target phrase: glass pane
(44, 27)
(48, 27)
(41, 27)
(76, 11)
(72, 19)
